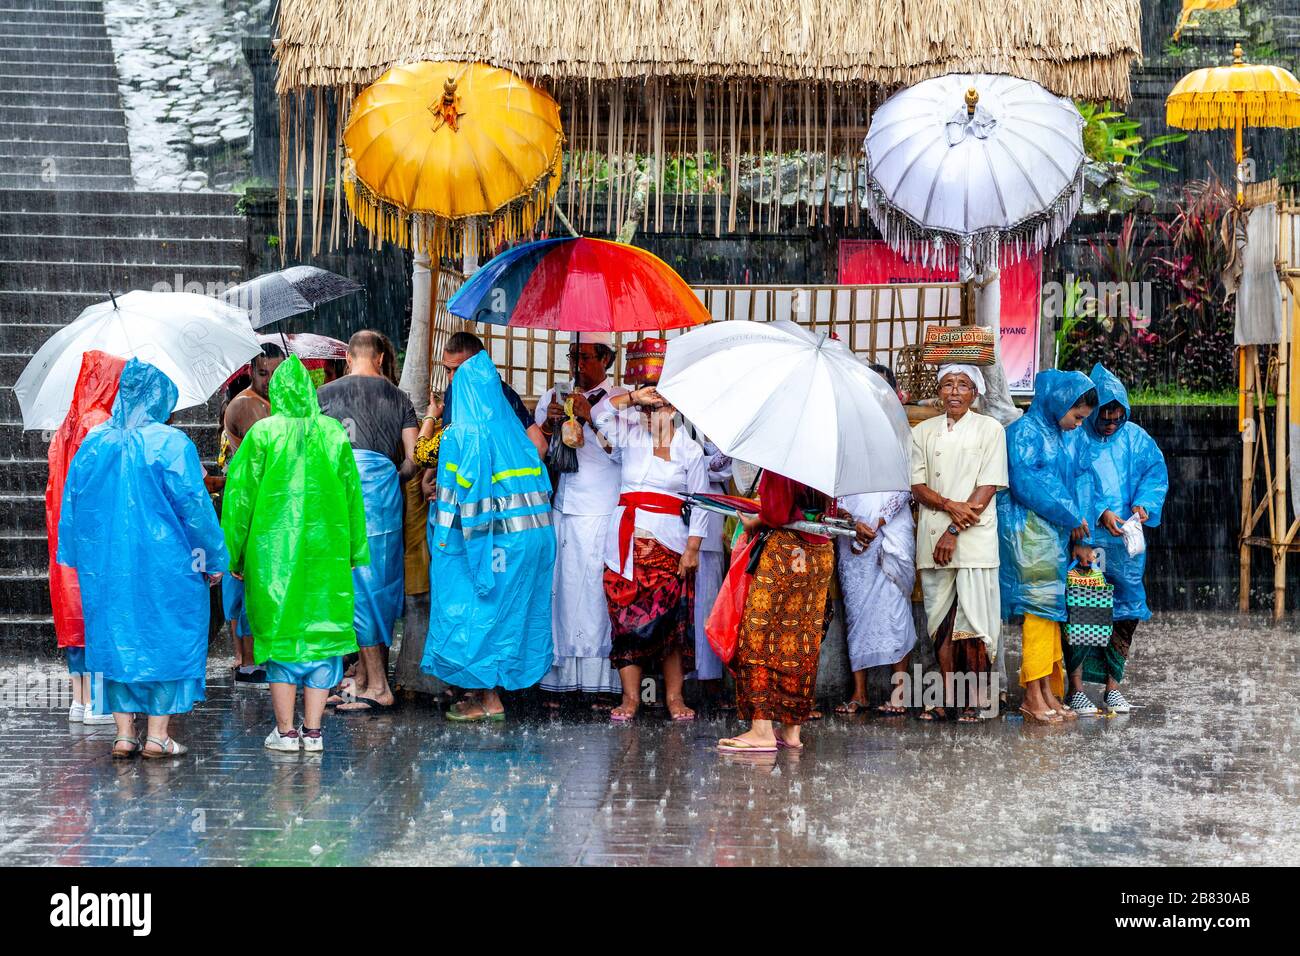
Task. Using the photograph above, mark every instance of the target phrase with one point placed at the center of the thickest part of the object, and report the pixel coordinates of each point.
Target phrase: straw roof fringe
(1073, 47)
(694, 79)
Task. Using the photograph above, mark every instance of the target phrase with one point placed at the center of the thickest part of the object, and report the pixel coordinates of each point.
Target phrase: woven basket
(914, 376)
(1089, 609)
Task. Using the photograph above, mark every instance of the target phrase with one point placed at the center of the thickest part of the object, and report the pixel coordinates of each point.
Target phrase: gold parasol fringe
(1214, 111)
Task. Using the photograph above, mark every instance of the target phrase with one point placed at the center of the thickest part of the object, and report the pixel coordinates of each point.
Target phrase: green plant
(273, 241)
(1110, 138)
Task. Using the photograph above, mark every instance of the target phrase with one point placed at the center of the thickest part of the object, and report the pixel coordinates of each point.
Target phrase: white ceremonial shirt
(593, 488)
(641, 469)
(953, 463)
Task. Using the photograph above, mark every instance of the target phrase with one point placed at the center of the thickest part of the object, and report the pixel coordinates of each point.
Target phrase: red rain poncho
(92, 403)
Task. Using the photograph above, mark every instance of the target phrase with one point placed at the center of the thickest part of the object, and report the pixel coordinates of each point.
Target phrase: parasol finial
(447, 112)
(972, 100)
(1238, 56)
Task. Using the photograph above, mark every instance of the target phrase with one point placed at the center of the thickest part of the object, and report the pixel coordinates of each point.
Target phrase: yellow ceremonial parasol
(441, 146)
(1233, 97)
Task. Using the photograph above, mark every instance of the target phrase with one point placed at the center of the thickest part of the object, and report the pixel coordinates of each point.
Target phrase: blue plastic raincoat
(380, 585)
(140, 529)
(1050, 493)
(1129, 470)
(491, 545)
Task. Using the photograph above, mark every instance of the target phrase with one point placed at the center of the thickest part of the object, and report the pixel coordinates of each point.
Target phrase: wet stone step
(25, 550)
(50, 167)
(63, 99)
(128, 225)
(44, 308)
(68, 133)
(46, 41)
(115, 249)
(12, 83)
(119, 201)
(27, 632)
(22, 478)
(19, 275)
(25, 592)
(63, 116)
(201, 415)
(100, 67)
(45, 147)
(66, 181)
(20, 339)
(52, 26)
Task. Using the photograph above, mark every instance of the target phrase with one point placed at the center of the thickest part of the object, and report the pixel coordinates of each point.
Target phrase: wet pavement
(1204, 771)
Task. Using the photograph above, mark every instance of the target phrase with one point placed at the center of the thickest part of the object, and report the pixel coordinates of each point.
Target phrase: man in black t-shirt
(381, 424)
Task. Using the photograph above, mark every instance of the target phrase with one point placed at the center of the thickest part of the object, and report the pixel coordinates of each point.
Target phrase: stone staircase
(71, 230)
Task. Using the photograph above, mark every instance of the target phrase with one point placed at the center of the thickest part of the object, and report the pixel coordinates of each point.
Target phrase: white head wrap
(596, 338)
(970, 371)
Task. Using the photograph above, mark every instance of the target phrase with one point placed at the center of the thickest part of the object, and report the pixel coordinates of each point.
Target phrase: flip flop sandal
(889, 710)
(782, 745)
(734, 745)
(126, 754)
(932, 715)
(496, 717)
(968, 716)
(1047, 717)
(372, 707)
(461, 718)
(677, 717)
(614, 715)
(851, 707)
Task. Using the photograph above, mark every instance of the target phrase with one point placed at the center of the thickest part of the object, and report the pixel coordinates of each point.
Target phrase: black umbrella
(292, 291)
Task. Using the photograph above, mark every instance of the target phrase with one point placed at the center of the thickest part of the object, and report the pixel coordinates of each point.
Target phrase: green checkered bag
(1089, 608)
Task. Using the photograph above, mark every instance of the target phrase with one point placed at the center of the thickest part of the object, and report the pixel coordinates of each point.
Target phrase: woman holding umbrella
(650, 554)
(775, 664)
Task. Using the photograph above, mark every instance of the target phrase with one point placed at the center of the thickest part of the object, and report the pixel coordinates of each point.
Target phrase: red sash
(634, 501)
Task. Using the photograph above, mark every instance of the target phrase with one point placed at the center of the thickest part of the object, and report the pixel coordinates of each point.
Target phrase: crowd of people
(579, 575)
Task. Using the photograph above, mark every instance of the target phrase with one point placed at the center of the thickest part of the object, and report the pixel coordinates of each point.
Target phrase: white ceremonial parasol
(986, 162)
(195, 340)
(792, 401)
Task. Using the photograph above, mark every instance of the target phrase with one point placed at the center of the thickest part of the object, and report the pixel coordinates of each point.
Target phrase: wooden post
(1279, 530)
(1247, 425)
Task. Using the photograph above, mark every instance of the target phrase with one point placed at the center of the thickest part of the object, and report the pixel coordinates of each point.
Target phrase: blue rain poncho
(491, 546)
(140, 529)
(1128, 470)
(1049, 494)
(380, 585)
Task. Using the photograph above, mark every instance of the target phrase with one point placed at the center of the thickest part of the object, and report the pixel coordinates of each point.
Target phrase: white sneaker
(286, 741)
(310, 744)
(90, 717)
(77, 712)
(1082, 704)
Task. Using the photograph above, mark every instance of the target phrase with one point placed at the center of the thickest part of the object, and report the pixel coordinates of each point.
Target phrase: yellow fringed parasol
(1233, 97)
(433, 148)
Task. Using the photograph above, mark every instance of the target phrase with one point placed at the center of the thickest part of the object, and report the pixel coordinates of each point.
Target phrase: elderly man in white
(583, 502)
(959, 462)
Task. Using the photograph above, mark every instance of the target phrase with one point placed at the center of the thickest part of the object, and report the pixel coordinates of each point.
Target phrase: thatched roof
(1074, 47)
(717, 81)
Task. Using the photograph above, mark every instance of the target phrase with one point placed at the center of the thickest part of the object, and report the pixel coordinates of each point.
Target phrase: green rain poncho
(295, 525)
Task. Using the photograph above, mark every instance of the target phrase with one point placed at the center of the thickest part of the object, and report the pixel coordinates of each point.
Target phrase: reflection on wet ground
(1202, 772)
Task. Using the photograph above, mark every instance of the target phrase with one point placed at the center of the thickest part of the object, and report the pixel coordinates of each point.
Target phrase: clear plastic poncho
(139, 528)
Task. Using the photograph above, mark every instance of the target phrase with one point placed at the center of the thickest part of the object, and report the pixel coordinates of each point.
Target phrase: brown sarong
(781, 630)
(652, 615)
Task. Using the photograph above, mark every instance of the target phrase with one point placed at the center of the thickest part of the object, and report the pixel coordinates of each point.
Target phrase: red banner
(871, 262)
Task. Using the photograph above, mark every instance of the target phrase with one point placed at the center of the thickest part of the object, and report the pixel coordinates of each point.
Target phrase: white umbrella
(989, 163)
(195, 340)
(796, 402)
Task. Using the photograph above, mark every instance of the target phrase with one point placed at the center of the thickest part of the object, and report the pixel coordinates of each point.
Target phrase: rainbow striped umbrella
(579, 285)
